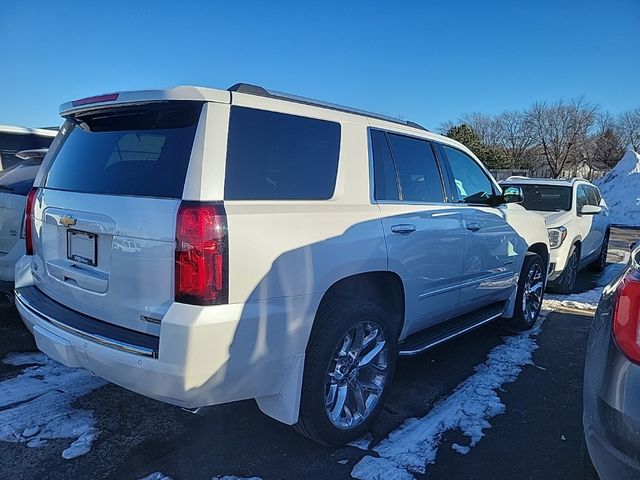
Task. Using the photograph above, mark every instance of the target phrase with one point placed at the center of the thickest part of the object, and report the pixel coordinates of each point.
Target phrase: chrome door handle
(474, 227)
(403, 228)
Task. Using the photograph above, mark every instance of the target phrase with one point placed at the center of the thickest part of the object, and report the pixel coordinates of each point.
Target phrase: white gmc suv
(202, 246)
(577, 222)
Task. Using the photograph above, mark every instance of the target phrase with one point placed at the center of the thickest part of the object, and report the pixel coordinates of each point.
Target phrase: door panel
(490, 250)
(428, 259)
(423, 234)
(490, 243)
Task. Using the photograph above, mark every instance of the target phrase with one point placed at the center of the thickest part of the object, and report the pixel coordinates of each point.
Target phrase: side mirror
(513, 195)
(590, 210)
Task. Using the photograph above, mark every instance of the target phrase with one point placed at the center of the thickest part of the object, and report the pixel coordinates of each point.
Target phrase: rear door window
(277, 156)
(419, 175)
(137, 151)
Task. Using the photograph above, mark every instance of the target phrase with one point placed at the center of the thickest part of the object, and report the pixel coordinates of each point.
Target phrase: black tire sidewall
(312, 409)
(563, 286)
(518, 321)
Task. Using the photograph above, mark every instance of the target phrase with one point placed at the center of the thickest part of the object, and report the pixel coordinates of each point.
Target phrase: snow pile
(409, 448)
(162, 476)
(157, 476)
(586, 300)
(621, 190)
(35, 406)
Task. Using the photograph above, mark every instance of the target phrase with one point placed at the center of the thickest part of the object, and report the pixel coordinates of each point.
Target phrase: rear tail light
(202, 254)
(28, 220)
(626, 316)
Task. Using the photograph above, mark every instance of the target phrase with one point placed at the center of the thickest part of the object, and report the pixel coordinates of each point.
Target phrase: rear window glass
(19, 178)
(274, 156)
(139, 151)
(12, 143)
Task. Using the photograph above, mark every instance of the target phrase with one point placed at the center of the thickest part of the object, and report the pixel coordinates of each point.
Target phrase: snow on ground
(156, 476)
(586, 300)
(35, 405)
(412, 446)
(621, 190)
(162, 476)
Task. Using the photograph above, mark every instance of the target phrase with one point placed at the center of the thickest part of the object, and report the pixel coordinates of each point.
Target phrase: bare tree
(561, 131)
(628, 128)
(515, 137)
(484, 125)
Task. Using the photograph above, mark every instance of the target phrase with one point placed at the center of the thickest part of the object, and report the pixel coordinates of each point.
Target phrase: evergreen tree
(491, 156)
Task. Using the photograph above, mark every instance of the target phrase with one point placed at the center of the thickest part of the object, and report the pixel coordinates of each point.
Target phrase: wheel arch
(382, 287)
(542, 250)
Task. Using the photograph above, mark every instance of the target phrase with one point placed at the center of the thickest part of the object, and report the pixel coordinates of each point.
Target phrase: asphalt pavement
(539, 436)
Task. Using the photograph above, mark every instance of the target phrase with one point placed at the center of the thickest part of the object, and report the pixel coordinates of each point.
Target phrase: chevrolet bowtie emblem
(67, 220)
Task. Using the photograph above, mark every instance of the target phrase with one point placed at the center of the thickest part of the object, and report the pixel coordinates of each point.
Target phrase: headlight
(556, 236)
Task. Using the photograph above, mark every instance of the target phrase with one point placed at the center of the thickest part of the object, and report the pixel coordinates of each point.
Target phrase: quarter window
(275, 156)
(386, 179)
(472, 183)
(418, 172)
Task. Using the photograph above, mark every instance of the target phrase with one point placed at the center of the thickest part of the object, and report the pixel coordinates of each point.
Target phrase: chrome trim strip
(108, 342)
(410, 353)
(469, 283)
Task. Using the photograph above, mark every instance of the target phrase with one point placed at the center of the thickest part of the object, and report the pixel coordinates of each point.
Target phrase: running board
(442, 332)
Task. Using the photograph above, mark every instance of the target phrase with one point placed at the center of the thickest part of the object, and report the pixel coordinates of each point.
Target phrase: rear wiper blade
(6, 188)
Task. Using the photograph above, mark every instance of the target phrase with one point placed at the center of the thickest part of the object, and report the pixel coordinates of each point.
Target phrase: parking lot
(486, 406)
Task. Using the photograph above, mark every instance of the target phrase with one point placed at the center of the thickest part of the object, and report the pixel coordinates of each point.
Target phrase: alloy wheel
(532, 294)
(572, 270)
(356, 375)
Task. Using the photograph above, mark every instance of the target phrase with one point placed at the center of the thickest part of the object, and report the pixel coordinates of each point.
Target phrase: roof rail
(263, 92)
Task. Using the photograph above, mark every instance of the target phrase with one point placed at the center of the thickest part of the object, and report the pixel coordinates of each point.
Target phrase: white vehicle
(203, 246)
(15, 184)
(14, 139)
(577, 221)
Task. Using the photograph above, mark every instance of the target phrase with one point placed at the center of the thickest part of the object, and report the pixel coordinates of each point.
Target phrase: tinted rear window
(19, 178)
(12, 143)
(140, 151)
(274, 156)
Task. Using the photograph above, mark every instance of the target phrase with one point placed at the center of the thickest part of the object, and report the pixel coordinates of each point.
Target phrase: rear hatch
(15, 184)
(106, 211)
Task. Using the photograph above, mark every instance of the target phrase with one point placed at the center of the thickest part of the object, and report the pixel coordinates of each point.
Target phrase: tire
(329, 376)
(529, 294)
(600, 263)
(567, 281)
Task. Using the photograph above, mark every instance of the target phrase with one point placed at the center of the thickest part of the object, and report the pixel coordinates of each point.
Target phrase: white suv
(577, 221)
(203, 246)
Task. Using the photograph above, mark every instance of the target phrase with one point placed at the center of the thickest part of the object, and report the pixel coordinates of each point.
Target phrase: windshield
(545, 198)
(138, 151)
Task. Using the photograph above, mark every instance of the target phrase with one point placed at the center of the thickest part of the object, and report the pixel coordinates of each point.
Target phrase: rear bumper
(611, 413)
(609, 462)
(205, 356)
